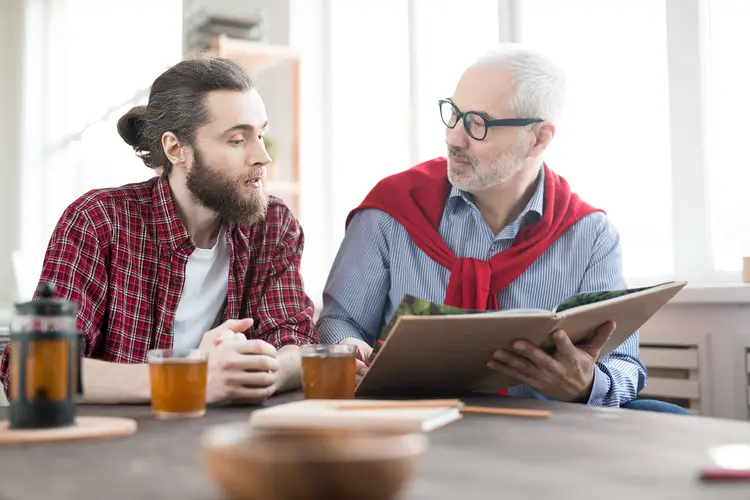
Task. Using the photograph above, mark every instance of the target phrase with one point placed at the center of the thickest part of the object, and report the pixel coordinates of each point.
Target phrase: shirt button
(175, 281)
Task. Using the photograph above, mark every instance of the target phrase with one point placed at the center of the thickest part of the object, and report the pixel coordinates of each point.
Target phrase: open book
(433, 349)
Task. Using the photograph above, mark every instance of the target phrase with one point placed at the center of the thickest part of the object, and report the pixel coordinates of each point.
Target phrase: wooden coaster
(85, 428)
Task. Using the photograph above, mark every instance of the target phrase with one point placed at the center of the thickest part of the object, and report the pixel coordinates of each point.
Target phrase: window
(613, 144)
(390, 63)
(91, 72)
(657, 96)
(369, 80)
(728, 105)
(447, 38)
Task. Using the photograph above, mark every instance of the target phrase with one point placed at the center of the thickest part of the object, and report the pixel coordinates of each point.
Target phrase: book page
(415, 306)
(586, 298)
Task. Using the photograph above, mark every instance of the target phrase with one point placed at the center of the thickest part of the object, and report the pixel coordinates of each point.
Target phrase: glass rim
(158, 355)
(324, 348)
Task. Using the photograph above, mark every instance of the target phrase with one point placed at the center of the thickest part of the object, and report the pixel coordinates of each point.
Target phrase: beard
(483, 176)
(223, 194)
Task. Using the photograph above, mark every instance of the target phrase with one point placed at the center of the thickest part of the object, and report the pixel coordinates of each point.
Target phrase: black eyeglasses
(475, 124)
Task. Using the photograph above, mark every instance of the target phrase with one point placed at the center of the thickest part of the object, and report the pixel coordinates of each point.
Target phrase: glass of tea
(328, 371)
(178, 382)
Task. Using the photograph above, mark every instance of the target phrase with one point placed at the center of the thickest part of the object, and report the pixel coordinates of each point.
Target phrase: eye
(236, 142)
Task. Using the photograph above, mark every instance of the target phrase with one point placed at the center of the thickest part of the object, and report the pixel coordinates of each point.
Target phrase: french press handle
(81, 351)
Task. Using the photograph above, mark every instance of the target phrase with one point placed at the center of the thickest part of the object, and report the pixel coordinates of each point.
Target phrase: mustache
(255, 173)
(459, 154)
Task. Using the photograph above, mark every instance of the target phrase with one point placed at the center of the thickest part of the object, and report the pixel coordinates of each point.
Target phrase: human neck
(502, 204)
(202, 223)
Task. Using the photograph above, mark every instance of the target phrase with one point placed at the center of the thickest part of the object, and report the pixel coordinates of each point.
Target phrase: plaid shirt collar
(167, 224)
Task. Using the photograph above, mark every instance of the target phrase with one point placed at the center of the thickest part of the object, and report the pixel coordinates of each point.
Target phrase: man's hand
(229, 330)
(363, 352)
(242, 370)
(568, 375)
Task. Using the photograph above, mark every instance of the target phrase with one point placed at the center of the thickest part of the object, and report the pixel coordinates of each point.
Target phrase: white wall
(11, 69)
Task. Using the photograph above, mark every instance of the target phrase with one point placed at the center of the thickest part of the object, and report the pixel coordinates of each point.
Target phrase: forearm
(333, 329)
(290, 368)
(115, 383)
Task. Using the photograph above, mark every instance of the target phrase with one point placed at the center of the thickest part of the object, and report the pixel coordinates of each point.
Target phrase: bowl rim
(228, 439)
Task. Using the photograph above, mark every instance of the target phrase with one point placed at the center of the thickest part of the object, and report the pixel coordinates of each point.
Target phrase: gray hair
(540, 86)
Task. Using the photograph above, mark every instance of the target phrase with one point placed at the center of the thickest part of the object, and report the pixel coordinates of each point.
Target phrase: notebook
(326, 414)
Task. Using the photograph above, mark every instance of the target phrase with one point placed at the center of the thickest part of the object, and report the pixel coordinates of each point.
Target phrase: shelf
(256, 57)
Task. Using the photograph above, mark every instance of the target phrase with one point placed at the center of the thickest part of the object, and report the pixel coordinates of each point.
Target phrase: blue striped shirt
(378, 263)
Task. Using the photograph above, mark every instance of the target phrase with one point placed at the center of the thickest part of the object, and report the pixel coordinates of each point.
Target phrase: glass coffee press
(45, 355)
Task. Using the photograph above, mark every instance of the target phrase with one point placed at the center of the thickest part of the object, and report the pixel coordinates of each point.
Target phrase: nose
(257, 155)
(457, 137)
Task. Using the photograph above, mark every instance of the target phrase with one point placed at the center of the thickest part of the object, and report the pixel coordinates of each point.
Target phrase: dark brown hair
(176, 104)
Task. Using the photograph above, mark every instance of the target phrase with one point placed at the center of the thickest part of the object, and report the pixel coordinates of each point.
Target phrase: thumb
(600, 337)
(236, 325)
(232, 325)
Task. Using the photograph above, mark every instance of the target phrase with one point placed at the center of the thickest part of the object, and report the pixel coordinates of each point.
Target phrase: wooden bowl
(250, 464)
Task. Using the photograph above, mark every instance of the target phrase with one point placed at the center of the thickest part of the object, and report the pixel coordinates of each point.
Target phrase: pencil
(725, 474)
(511, 412)
(446, 403)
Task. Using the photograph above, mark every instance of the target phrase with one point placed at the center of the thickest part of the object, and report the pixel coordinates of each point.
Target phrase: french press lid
(46, 305)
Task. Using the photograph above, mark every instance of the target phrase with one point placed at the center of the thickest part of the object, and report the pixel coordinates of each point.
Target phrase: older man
(490, 226)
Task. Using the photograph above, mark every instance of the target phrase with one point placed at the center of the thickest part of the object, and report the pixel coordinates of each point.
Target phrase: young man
(161, 263)
(490, 226)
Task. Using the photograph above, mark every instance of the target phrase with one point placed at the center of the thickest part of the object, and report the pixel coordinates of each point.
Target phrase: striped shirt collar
(531, 213)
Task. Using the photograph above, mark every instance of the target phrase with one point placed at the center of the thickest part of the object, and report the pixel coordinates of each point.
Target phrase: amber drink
(178, 383)
(329, 371)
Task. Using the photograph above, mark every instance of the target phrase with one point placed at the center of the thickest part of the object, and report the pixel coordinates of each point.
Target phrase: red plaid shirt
(121, 253)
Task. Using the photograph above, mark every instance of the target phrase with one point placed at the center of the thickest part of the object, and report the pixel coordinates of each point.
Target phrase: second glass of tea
(178, 382)
(329, 371)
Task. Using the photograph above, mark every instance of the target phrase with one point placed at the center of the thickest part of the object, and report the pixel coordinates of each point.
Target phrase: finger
(361, 368)
(229, 335)
(255, 379)
(236, 325)
(252, 363)
(594, 344)
(513, 373)
(358, 354)
(515, 361)
(251, 394)
(564, 346)
(254, 346)
(538, 357)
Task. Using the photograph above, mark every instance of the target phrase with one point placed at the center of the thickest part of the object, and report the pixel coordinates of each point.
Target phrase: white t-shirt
(203, 294)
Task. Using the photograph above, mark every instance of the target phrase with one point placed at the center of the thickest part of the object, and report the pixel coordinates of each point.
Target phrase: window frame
(687, 28)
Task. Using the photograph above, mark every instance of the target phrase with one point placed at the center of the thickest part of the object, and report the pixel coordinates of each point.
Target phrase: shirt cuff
(334, 330)
(600, 388)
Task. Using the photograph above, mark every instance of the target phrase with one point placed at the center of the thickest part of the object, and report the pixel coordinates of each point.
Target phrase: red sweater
(416, 199)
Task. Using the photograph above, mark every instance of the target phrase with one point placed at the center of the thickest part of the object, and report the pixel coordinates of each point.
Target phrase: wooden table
(579, 453)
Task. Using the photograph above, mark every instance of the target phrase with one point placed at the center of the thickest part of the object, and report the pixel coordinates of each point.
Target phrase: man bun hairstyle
(130, 126)
(176, 104)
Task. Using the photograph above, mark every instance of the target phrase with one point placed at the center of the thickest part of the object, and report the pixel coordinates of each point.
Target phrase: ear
(174, 149)
(541, 138)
